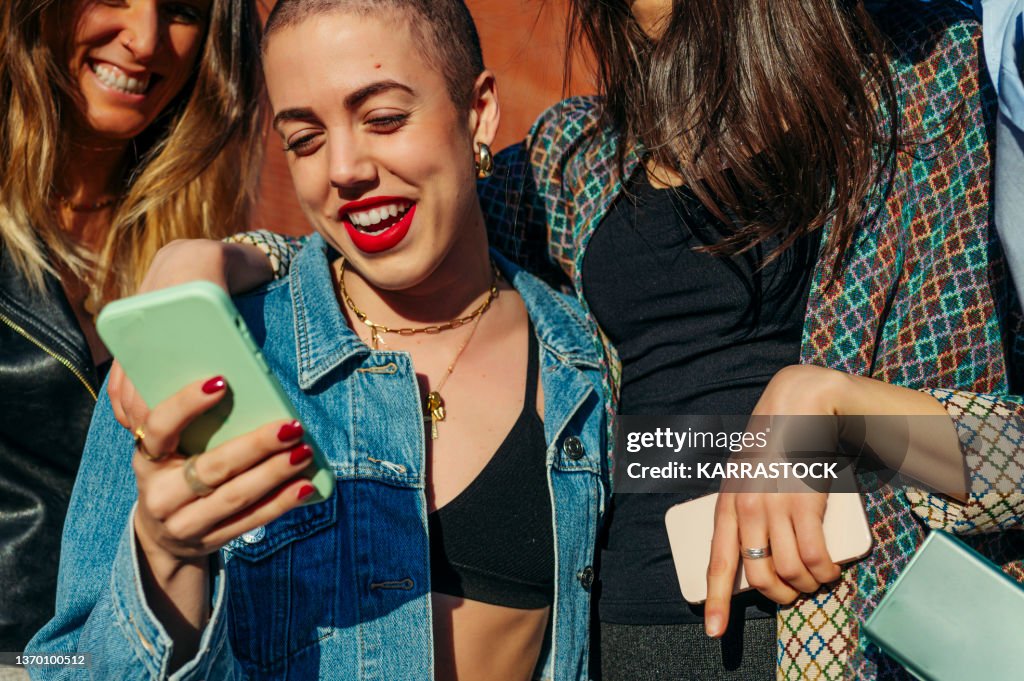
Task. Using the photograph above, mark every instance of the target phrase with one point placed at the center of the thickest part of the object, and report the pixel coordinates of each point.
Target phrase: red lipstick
(383, 240)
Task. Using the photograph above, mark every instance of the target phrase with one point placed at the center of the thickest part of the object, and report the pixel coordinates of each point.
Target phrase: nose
(140, 33)
(352, 169)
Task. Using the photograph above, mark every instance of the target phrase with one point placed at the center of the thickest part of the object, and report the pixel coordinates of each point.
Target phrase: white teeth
(374, 216)
(115, 78)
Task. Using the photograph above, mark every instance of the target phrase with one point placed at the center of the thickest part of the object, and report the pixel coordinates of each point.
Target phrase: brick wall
(522, 42)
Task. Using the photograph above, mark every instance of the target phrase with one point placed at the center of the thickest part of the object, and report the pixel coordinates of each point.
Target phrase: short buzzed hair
(445, 26)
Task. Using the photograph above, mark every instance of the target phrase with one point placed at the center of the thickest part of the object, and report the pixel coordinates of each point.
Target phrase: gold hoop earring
(484, 162)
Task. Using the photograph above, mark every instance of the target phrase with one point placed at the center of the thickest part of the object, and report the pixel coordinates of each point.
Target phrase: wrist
(162, 566)
(807, 390)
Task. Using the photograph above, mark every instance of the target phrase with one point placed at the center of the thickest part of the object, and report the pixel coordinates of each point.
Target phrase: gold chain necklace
(433, 403)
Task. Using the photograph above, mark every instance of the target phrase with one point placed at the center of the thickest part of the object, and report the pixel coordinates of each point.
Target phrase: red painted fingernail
(306, 491)
(290, 431)
(214, 385)
(301, 454)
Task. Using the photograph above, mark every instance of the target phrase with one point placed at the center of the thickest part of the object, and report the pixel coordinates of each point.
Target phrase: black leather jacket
(48, 386)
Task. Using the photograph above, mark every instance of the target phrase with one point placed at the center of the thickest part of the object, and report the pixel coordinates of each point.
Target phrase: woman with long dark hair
(837, 160)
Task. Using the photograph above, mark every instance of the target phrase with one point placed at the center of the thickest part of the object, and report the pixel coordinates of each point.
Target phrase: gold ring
(140, 445)
(198, 487)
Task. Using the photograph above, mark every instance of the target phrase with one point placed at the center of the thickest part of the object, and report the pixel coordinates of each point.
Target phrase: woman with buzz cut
(464, 423)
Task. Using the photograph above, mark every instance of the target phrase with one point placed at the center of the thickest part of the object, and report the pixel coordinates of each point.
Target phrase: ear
(484, 112)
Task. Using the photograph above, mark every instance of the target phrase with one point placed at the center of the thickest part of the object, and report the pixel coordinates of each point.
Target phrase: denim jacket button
(254, 536)
(573, 448)
(586, 577)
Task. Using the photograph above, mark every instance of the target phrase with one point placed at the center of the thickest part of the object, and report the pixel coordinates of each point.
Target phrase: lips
(384, 231)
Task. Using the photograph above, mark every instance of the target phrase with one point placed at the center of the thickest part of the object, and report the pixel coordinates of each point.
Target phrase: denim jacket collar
(558, 325)
(324, 341)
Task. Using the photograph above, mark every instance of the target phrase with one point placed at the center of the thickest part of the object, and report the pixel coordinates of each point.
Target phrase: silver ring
(756, 553)
(198, 487)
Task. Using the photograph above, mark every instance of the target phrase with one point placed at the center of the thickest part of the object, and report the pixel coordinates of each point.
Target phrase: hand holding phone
(171, 338)
(190, 507)
(691, 525)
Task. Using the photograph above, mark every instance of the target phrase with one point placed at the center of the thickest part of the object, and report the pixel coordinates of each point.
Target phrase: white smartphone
(691, 526)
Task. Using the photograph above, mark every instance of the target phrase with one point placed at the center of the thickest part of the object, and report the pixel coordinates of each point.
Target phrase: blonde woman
(125, 125)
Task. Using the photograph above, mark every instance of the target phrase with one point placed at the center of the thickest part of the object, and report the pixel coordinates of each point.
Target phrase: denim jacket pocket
(277, 606)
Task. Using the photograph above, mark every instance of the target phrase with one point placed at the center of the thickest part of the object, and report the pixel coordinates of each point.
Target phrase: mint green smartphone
(167, 339)
(952, 614)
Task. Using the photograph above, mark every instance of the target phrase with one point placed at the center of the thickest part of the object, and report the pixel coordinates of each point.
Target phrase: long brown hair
(193, 172)
(780, 115)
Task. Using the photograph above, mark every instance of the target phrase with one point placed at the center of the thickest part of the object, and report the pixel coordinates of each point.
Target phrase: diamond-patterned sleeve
(278, 248)
(991, 434)
(953, 327)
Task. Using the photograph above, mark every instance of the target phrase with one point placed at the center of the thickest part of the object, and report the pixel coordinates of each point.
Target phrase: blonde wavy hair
(192, 173)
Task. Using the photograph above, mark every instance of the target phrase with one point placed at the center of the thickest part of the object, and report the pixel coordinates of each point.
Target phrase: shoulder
(563, 129)
(936, 46)
(918, 27)
(567, 120)
(947, 102)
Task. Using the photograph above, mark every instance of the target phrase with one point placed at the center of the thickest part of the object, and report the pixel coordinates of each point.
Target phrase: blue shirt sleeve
(1003, 37)
(1003, 30)
(101, 606)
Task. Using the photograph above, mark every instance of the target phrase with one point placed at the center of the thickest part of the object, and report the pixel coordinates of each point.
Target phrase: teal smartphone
(952, 615)
(166, 339)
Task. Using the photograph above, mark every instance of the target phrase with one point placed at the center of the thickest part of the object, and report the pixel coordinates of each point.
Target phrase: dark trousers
(683, 652)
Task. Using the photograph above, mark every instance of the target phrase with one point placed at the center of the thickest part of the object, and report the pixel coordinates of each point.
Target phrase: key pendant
(436, 408)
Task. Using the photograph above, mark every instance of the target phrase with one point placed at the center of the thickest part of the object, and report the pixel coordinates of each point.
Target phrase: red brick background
(523, 44)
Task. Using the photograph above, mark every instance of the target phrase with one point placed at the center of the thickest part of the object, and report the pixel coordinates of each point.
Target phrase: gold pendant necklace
(434, 403)
(434, 410)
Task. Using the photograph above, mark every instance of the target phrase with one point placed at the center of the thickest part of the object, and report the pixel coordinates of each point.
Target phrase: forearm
(990, 428)
(276, 249)
(101, 605)
(245, 267)
(235, 267)
(924, 446)
(920, 443)
(127, 637)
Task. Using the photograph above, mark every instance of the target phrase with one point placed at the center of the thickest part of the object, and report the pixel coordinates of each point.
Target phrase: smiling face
(130, 59)
(381, 158)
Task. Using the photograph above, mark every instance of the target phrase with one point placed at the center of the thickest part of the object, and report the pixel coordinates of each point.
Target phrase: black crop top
(493, 542)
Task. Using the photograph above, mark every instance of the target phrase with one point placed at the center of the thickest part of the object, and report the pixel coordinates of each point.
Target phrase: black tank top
(493, 542)
(697, 334)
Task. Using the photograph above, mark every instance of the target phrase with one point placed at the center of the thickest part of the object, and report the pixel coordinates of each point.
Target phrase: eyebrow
(304, 114)
(362, 94)
(352, 100)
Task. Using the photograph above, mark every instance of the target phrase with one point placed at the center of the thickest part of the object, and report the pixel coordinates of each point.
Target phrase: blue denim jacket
(341, 589)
